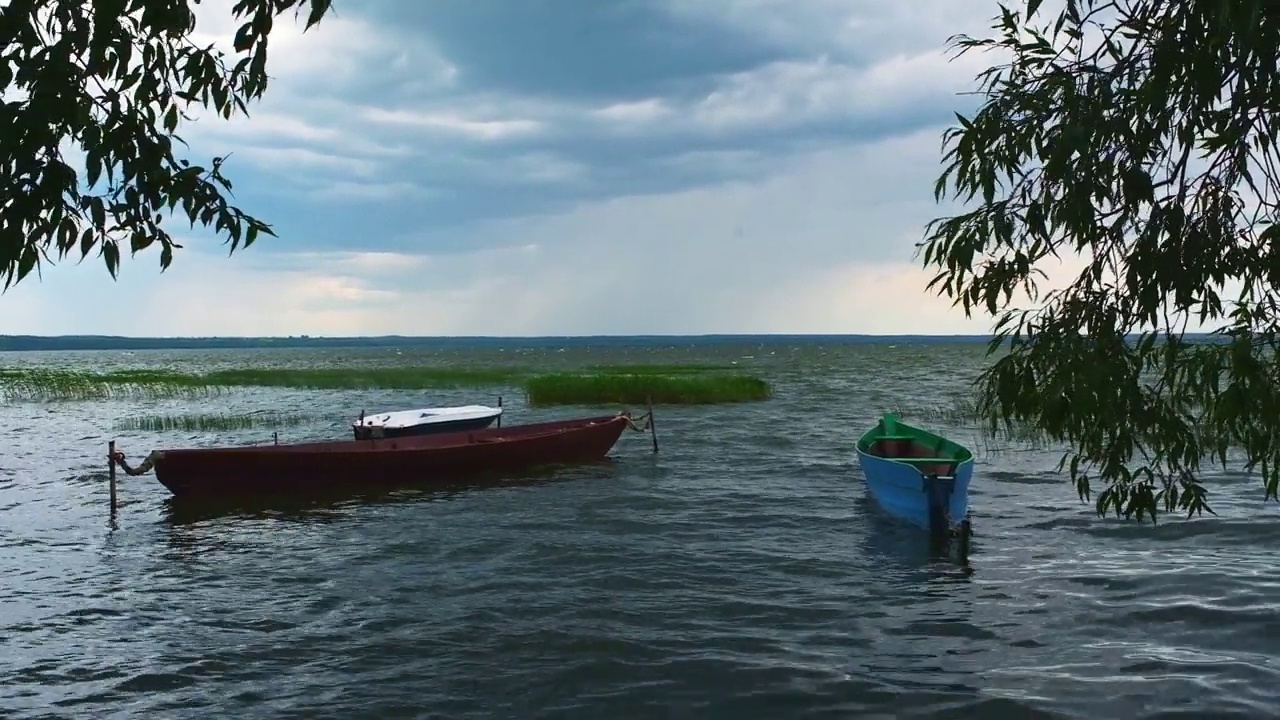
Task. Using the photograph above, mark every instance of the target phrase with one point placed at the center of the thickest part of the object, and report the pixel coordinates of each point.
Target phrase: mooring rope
(647, 418)
(146, 465)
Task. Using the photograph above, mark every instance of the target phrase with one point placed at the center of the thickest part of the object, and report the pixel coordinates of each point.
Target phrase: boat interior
(928, 459)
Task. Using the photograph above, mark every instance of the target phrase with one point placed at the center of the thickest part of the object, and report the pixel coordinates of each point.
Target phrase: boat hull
(903, 492)
(299, 468)
(361, 432)
(916, 476)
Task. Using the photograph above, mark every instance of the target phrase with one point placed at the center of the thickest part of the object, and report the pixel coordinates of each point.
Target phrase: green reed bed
(655, 369)
(671, 384)
(209, 422)
(44, 385)
(358, 378)
(620, 387)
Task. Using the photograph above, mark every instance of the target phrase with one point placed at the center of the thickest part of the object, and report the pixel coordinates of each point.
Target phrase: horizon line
(589, 336)
(484, 337)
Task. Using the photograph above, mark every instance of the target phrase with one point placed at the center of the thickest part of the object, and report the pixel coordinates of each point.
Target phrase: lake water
(740, 572)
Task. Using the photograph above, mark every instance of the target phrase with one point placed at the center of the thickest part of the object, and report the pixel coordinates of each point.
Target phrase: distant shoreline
(36, 343)
(19, 343)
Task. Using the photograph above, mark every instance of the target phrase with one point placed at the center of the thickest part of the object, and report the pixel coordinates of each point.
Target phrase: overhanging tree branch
(1140, 133)
(113, 78)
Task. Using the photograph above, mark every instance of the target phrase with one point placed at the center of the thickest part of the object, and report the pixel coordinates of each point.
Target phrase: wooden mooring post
(499, 407)
(111, 472)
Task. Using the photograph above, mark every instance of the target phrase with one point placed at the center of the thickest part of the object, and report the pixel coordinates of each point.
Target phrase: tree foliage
(1139, 136)
(111, 79)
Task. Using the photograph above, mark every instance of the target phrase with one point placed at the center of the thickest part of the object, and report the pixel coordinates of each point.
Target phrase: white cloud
(850, 28)
(338, 51)
(301, 123)
(344, 146)
(876, 299)
(294, 159)
(343, 190)
(537, 168)
(284, 123)
(792, 92)
(800, 243)
(783, 253)
(364, 263)
(454, 123)
(640, 111)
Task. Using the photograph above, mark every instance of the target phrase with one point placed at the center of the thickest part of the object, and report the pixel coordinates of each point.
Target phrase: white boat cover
(428, 416)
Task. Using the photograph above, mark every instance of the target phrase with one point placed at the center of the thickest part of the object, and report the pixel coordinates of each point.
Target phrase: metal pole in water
(653, 428)
(111, 472)
(966, 533)
(499, 407)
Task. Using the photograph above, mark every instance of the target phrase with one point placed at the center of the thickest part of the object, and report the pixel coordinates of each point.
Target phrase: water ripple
(741, 572)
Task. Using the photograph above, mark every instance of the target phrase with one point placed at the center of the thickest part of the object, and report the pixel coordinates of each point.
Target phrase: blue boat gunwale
(890, 429)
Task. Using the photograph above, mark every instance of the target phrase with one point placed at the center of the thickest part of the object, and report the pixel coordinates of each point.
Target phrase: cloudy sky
(565, 167)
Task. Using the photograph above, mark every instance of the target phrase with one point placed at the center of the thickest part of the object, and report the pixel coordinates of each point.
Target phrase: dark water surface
(741, 572)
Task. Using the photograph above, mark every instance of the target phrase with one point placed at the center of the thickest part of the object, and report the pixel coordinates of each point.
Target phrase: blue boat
(917, 476)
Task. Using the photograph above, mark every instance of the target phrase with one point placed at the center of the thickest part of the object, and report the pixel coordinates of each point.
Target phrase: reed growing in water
(209, 422)
(637, 388)
(655, 369)
(41, 385)
(629, 384)
(963, 413)
(360, 378)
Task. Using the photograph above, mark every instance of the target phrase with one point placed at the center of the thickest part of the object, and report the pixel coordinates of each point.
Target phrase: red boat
(270, 469)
